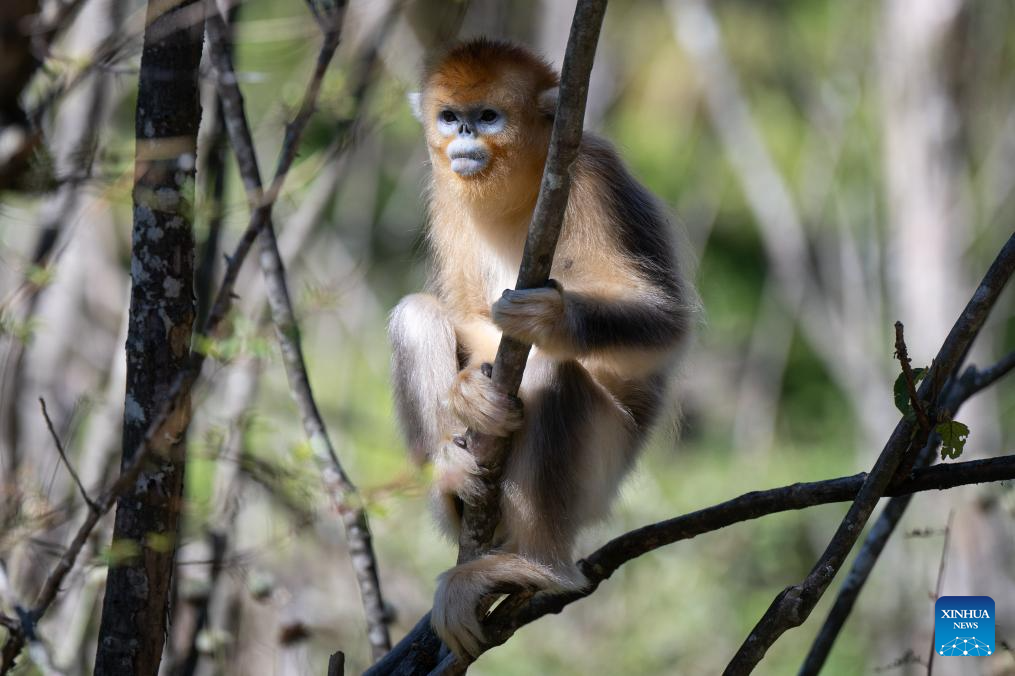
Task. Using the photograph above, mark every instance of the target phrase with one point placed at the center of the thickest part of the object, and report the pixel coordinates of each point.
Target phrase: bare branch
(172, 417)
(337, 483)
(902, 354)
(940, 580)
(792, 607)
(63, 456)
(972, 381)
(419, 648)
(336, 664)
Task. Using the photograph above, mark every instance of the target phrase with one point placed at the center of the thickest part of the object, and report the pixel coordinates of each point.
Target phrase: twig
(792, 607)
(163, 426)
(37, 650)
(63, 456)
(972, 381)
(411, 654)
(336, 664)
(337, 483)
(937, 587)
(902, 354)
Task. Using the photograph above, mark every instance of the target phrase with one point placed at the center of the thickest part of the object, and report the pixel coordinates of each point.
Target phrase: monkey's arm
(578, 323)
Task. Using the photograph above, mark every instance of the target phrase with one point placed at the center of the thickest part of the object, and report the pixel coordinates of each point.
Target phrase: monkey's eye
(448, 116)
(488, 116)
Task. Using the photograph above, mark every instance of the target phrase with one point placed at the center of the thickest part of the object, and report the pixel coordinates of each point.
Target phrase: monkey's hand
(478, 403)
(535, 316)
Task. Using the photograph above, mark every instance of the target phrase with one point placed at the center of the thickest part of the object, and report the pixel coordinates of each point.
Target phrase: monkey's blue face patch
(480, 120)
(468, 156)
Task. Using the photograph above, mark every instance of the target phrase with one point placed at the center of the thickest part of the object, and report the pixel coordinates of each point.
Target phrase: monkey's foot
(478, 403)
(456, 471)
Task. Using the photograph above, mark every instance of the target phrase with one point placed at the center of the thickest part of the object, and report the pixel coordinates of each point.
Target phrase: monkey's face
(467, 133)
(478, 132)
(486, 132)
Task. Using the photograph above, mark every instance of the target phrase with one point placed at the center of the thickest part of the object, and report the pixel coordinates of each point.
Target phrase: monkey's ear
(547, 101)
(415, 100)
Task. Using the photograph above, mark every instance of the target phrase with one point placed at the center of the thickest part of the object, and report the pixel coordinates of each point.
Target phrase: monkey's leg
(574, 447)
(577, 444)
(424, 365)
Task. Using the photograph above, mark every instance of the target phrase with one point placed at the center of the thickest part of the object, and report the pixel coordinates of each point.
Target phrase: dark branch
(973, 380)
(792, 607)
(510, 615)
(172, 417)
(902, 354)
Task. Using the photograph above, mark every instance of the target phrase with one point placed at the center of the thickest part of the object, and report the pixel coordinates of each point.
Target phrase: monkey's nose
(464, 130)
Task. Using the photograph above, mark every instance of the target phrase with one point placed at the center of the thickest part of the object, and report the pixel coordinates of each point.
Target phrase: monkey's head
(487, 110)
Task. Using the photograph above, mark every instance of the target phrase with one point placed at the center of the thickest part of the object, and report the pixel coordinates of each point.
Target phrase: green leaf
(902, 401)
(953, 438)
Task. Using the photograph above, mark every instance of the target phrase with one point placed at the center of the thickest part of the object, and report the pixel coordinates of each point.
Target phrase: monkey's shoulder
(605, 191)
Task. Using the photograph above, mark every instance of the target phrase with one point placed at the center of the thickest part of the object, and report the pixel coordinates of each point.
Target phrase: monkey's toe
(481, 405)
(456, 472)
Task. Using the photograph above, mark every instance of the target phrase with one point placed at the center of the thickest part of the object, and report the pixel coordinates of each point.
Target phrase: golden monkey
(606, 332)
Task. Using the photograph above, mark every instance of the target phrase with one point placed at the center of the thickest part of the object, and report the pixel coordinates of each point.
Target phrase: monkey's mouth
(468, 162)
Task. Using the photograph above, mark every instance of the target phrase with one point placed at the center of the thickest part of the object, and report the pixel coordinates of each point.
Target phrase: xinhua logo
(964, 626)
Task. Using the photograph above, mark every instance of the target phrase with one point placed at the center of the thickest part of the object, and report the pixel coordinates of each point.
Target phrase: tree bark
(162, 312)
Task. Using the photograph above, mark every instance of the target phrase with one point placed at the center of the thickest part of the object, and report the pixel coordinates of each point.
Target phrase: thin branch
(63, 456)
(972, 381)
(38, 651)
(794, 604)
(482, 515)
(940, 581)
(164, 427)
(510, 615)
(902, 354)
(337, 483)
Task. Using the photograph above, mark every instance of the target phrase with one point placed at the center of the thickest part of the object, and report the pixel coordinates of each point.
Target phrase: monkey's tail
(459, 591)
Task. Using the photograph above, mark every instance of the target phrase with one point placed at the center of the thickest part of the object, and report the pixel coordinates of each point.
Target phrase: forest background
(836, 166)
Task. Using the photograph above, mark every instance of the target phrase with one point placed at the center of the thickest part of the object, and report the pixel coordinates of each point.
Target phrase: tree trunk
(162, 311)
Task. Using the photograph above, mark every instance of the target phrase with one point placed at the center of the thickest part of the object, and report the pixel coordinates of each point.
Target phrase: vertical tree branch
(173, 412)
(937, 587)
(482, 515)
(337, 483)
(162, 312)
